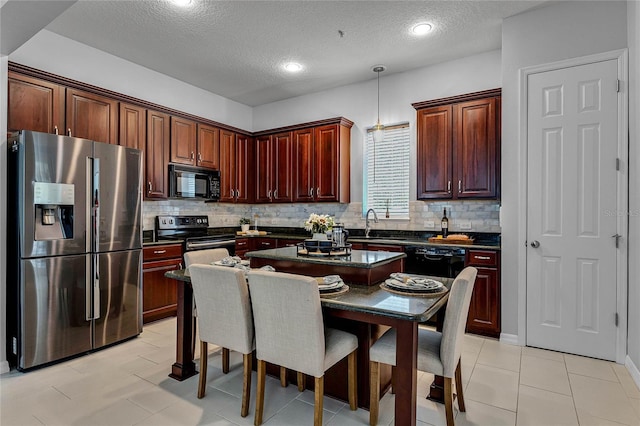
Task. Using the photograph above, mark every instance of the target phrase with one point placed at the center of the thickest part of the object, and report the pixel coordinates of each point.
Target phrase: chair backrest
(288, 321)
(205, 257)
(455, 319)
(224, 308)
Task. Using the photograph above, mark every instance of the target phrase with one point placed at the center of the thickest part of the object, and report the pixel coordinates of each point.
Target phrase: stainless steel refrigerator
(74, 246)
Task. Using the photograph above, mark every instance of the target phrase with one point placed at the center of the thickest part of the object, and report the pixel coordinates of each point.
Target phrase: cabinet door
(208, 145)
(264, 190)
(434, 164)
(133, 129)
(244, 168)
(326, 163)
(475, 148)
(484, 317)
(281, 151)
(227, 165)
(183, 141)
(92, 116)
(159, 293)
(34, 104)
(303, 174)
(157, 155)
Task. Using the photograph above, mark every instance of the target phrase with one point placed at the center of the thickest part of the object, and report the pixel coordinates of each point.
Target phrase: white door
(572, 192)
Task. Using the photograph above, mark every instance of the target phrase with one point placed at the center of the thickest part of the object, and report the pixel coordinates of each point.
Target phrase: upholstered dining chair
(290, 332)
(207, 257)
(224, 318)
(438, 353)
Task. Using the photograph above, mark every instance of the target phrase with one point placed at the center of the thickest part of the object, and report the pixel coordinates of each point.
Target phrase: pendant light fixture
(378, 129)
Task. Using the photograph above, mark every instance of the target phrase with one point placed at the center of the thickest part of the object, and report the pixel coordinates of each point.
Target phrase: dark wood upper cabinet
(208, 145)
(183, 141)
(459, 146)
(236, 167)
(434, 152)
(303, 172)
(91, 116)
(263, 169)
(227, 166)
(157, 154)
(133, 126)
(273, 168)
(34, 104)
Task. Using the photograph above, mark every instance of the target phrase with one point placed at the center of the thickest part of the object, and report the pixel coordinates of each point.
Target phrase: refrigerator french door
(74, 247)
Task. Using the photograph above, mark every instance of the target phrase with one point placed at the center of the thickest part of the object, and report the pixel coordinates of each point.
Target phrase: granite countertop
(357, 258)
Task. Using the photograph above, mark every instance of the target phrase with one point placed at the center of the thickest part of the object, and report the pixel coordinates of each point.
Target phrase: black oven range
(194, 231)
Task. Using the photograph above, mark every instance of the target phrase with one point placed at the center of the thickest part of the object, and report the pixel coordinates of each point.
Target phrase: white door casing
(572, 277)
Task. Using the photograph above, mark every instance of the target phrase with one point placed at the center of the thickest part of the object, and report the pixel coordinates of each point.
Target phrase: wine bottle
(444, 224)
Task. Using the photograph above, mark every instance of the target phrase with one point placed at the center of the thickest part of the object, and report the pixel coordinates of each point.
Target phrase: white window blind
(386, 172)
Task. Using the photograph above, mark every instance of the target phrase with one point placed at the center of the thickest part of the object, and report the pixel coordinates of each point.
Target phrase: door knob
(535, 244)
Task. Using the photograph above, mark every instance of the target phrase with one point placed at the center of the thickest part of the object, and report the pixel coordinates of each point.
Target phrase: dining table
(367, 304)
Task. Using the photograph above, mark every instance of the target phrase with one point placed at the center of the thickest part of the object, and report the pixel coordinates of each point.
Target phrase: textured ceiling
(236, 48)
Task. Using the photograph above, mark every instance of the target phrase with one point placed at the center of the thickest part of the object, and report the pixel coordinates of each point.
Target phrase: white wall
(633, 13)
(50, 52)
(358, 103)
(4, 366)
(552, 33)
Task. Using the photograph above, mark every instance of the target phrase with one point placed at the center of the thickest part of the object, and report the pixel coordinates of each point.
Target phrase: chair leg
(225, 360)
(352, 371)
(283, 377)
(459, 390)
(246, 383)
(374, 392)
(262, 371)
(202, 382)
(318, 403)
(448, 401)
(301, 382)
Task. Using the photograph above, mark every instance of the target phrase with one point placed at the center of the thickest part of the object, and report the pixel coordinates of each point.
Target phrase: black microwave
(194, 183)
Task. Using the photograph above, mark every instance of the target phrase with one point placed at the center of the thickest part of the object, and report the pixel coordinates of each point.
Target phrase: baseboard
(510, 339)
(633, 370)
(4, 367)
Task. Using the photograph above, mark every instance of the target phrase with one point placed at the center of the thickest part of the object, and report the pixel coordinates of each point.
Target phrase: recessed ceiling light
(421, 29)
(182, 3)
(292, 67)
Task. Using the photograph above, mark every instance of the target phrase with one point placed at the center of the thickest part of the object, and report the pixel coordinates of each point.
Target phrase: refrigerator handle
(88, 307)
(96, 237)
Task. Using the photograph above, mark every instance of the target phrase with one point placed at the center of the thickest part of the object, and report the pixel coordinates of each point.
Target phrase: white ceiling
(236, 48)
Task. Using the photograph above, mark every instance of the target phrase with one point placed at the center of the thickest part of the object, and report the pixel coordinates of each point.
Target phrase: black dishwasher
(434, 261)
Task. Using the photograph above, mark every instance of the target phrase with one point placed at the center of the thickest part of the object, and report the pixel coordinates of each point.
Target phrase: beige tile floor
(128, 385)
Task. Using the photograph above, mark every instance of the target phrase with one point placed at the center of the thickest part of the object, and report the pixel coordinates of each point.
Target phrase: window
(386, 173)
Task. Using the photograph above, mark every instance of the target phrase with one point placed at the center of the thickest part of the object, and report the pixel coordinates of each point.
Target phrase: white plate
(428, 285)
(331, 286)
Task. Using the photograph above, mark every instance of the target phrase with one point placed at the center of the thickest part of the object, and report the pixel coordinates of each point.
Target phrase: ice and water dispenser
(53, 204)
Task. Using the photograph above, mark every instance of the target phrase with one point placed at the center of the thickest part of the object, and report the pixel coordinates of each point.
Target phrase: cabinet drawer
(478, 257)
(162, 252)
(242, 244)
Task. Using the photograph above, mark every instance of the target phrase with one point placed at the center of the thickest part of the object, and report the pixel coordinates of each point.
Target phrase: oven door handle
(210, 244)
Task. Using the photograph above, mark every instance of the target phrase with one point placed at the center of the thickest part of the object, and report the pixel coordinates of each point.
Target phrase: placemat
(343, 290)
(385, 287)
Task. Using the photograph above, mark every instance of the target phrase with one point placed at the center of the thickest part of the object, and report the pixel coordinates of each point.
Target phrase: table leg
(406, 373)
(184, 367)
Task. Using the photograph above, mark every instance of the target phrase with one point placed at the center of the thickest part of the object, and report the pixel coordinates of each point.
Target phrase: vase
(244, 227)
(319, 236)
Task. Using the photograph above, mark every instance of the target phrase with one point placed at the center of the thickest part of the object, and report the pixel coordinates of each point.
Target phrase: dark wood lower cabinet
(159, 293)
(484, 310)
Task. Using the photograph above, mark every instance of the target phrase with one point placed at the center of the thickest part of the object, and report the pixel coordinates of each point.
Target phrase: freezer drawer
(120, 297)
(53, 297)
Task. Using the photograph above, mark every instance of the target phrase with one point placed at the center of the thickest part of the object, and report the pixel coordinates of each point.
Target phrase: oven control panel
(182, 222)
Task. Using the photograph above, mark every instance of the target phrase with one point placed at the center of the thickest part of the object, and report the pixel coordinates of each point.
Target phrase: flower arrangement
(244, 221)
(319, 223)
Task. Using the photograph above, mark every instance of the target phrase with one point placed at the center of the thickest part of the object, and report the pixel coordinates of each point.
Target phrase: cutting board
(447, 240)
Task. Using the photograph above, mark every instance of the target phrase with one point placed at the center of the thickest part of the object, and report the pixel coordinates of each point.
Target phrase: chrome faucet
(367, 226)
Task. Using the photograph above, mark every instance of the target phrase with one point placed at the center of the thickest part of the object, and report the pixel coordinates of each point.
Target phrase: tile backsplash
(475, 216)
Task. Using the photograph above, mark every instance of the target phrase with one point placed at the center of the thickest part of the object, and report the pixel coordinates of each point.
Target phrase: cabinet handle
(311, 192)
(266, 244)
(482, 257)
(150, 186)
(237, 193)
(449, 187)
(232, 192)
(199, 157)
(192, 156)
(69, 131)
(269, 194)
(55, 129)
(275, 193)
(317, 191)
(460, 186)
(159, 251)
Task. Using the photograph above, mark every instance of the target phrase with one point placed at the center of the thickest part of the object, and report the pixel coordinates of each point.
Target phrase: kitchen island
(359, 267)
